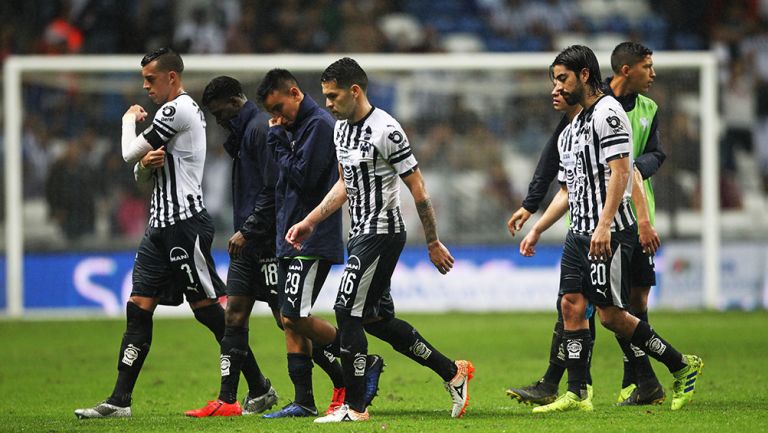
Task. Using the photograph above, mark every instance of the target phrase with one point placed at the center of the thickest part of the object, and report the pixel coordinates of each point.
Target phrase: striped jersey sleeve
(167, 123)
(396, 150)
(612, 128)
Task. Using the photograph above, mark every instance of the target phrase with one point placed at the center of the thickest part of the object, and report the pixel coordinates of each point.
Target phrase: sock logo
(560, 352)
(359, 364)
(421, 350)
(130, 354)
(574, 349)
(637, 351)
(225, 363)
(656, 346)
(331, 357)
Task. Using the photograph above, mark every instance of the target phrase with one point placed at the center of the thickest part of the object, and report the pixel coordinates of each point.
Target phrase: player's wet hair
(276, 79)
(222, 87)
(628, 53)
(345, 72)
(578, 57)
(167, 60)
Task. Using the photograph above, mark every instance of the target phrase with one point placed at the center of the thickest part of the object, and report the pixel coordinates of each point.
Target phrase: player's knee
(295, 324)
(612, 318)
(237, 312)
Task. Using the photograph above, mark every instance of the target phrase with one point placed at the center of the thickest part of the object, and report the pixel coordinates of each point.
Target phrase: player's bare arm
(517, 220)
(556, 209)
(332, 202)
(649, 239)
(438, 253)
(600, 245)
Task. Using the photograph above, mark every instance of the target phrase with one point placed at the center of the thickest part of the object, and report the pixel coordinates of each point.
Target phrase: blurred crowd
(69, 133)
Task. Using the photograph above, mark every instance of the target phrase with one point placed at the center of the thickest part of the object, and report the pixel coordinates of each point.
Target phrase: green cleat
(685, 381)
(590, 392)
(567, 402)
(625, 393)
(536, 394)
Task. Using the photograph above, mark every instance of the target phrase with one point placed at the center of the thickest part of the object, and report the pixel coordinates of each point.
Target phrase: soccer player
(373, 151)
(252, 271)
(633, 66)
(174, 258)
(595, 173)
(301, 139)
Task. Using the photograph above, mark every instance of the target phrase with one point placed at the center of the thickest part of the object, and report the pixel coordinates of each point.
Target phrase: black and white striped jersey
(374, 152)
(179, 125)
(595, 137)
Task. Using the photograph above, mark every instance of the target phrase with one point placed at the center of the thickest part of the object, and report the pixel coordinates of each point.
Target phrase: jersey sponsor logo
(644, 122)
(225, 363)
(614, 123)
(296, 266)
(396, 137)
(656, 346)
(353, 264)
(178, 254)
(359, 364)
(602, 292)
(574, 349)
(420, 349)
(168, 112)
(130, 354)
(292, 301)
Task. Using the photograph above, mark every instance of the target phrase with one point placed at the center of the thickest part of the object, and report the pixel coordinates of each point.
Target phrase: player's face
(558, 101)
(284, 104)
(641, 75)
(156, 83)
(567, 84)
(338, 100)
(223, 110)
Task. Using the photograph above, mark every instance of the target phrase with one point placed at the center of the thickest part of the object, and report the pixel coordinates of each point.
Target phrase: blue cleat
(292, 410)
(372, 374)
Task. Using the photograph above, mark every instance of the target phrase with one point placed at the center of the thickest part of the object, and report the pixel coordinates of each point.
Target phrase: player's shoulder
(608, 107)
(646, 102)
(180, 107)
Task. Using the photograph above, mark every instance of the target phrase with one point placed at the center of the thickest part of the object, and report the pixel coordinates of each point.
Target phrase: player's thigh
(152, 275)
(254, 277)
(299, 282)
(364, 290)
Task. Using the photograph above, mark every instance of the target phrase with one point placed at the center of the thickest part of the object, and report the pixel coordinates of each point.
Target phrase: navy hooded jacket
(306, 159)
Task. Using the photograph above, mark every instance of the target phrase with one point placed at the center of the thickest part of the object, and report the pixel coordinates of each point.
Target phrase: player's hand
(298, 233)
(649, 239)
(154, 158)
(276, 120)
(528, 244)
(138, 112)
(236, 244)
(440, 257)
(600, 244)
(518, 219)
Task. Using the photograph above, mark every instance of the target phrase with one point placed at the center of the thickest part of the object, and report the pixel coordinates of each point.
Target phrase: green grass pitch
(49, 368)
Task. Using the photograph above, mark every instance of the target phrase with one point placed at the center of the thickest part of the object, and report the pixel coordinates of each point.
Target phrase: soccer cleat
(216, 408)
(568, 402)
(625, 393)
(538, 393)
(458, 388)
(650, 394)
(292, 410)
(261, 403)
(590, 392)
(373, 370)
(685, 381)
(103, 410)
(337, 400)
(343, 414)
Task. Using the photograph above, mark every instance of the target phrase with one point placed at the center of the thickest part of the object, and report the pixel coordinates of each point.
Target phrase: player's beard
(576, 96)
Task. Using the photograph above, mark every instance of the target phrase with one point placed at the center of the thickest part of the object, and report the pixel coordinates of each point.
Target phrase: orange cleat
(216, 408)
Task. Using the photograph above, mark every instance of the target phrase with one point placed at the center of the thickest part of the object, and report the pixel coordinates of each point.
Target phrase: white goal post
(16, 66)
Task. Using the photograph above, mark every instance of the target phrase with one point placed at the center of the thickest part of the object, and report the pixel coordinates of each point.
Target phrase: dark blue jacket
(254, 175)
(306, 159)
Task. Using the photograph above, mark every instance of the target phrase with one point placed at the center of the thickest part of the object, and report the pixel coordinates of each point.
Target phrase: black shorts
(253, 276)
(175, 261)
(603, 283)
(300, 279)
(643, 268)
(365, 285)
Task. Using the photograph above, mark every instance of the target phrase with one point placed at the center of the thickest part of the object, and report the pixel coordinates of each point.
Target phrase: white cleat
(458, 388)
(343, 414)
(261, 403)
(103, 410)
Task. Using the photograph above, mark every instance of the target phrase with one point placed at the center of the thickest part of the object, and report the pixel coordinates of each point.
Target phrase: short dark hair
(345, 72)
(628, 53)
(275, 79)
(167, 60)
(222, 87)
(578, 57)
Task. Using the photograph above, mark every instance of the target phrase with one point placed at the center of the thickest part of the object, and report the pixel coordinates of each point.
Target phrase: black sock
(300, 372)
(133, 351)
(643, 371)
(658, 348)
(593, 338)
(234, 349)
(354, 353)
(577, 344)
(328, 362)
(407, 340)
(556, 367)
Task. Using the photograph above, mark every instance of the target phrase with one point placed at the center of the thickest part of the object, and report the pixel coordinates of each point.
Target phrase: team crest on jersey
(365, 147)
(178, 254)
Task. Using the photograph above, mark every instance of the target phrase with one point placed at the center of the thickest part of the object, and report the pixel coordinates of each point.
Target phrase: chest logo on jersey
(178, 254)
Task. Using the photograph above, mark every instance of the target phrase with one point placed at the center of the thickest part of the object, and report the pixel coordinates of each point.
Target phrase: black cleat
(646, 394)
(539, 393)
